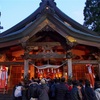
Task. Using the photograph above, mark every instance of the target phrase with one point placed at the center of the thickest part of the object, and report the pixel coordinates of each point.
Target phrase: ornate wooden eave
(43, 44)
(71, 22)
(46, 55)
(48, 15)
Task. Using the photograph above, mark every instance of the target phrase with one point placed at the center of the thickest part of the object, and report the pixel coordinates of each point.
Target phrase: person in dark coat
(52, 90)
(61, 90)
(34, 90)
(25, 91)
(44, 90)
(75, 93)
(82, 89)
(89, 92)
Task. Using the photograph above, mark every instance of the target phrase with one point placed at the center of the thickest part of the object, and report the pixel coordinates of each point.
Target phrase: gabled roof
(49, 14)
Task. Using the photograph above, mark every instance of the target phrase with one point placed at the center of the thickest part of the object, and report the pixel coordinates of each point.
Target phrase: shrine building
(49, 44)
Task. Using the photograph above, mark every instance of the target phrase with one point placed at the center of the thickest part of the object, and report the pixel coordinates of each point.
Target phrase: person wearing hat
(45, 90)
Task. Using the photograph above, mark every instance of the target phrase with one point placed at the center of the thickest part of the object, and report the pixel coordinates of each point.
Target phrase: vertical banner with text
(3, 77)
(91, 75)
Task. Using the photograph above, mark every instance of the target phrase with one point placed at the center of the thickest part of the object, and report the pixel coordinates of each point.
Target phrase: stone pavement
(5, 96)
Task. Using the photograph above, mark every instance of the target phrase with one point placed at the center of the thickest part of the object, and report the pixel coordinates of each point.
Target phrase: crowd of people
(56, 89)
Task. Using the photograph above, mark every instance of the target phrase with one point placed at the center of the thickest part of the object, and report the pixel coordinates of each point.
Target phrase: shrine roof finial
(47, 0)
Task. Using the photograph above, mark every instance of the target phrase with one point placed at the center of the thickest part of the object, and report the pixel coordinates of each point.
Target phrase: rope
(48, 66)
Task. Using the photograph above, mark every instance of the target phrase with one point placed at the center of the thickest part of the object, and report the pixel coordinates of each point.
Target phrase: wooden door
(15, 75)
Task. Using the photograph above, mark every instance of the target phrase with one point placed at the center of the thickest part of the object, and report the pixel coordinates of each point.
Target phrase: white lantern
(48, 70)
(58, 70)
(52, 70)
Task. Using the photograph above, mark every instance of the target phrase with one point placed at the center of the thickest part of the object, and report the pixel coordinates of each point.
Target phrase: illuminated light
(14, 59)
(38, 71)
(56, 75)
(41, 76)
(67, 23)
(71, 39)
(47, 7)
(48, 70)
(60, 75)
(52, 70)
(22, 71)
(31, 53)
(36, 48)
(7, 68)
(58, 70)
(21, 77)
(41, 72)
(66, 73)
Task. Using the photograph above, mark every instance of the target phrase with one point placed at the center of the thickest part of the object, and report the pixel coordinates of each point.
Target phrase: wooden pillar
(99, 71)
(70, 68)
(26, 67)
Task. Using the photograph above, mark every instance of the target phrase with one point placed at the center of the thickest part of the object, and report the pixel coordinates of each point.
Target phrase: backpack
(97, 93)
(18, 91)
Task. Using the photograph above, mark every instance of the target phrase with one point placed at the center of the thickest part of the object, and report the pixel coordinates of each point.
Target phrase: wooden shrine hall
(49, 44)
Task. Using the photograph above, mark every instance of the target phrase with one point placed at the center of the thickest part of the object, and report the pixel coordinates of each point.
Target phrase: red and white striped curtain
(3, 76)
(91, 75)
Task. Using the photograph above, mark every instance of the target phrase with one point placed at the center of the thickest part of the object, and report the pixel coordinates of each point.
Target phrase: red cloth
(69, 87)
(3, 77)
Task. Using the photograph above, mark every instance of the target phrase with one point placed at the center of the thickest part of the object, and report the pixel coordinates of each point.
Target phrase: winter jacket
(74, 94)
(61, 91)
(34, 90)
(44, 92)
(90, 94)
(97, 93)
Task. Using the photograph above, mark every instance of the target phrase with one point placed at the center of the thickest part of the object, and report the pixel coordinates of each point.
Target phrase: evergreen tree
(92, 15)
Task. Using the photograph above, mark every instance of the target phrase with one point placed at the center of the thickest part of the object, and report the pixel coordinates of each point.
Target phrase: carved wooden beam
(44, 44)
(86, 62)
(73, 62)
(11, 63)
(47, 55)
(30, 46)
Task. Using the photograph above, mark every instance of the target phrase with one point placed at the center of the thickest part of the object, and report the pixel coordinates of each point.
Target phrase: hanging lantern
(52, 70)
(55, 71)
(41, 72)
(58, 70)
(38, 71)
(48, 70)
